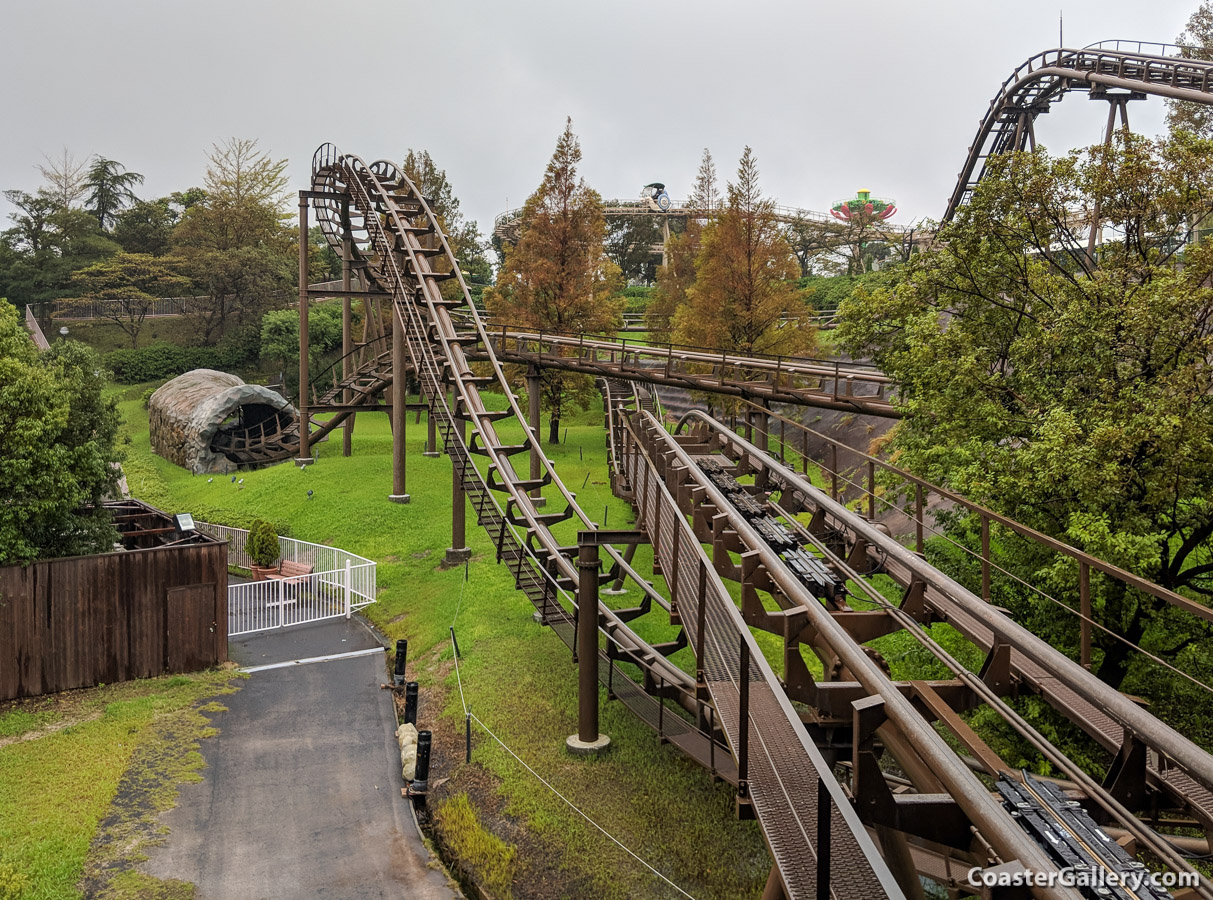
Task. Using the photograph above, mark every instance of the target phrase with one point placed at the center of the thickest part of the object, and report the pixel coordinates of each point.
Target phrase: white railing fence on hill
(339, 584)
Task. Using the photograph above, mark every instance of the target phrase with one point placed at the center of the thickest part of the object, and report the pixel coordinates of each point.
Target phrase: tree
(705, 195)
(469, 248)
(674, 278)
(147, 227)
(110, 189)
(744, 287)
(629, 243)
(234, 240)
(558, 277)
(128, 285)
(66, 178)
(1070, 391)
(46, 244)
(677, 273)
(243, 200)
(57, 440)
(280, 335)
(1196, 42)
(32, 219)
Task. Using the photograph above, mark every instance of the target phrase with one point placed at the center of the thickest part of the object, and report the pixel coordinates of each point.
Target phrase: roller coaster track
(778, 739)
(1167, 769)
(508, 225)
(1043, 79)
(1166, 765)
(826, 384)
(395, 234)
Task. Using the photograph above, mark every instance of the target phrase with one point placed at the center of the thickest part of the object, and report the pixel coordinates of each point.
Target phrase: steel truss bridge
(860, 782)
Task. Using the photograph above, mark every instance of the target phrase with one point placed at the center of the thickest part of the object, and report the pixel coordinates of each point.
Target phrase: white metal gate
(259, 605)
(339, 584)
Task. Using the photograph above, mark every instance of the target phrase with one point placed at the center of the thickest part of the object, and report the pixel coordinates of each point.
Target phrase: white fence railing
(35, 330)
(262, 605)
(340, 583)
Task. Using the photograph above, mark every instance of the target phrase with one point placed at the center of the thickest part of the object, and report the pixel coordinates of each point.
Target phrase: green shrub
(161, 360)
(262, 543)
(637, 297)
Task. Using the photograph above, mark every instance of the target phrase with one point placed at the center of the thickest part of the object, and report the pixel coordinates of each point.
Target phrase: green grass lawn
(62, 758)
(105, 335)
(517, 676)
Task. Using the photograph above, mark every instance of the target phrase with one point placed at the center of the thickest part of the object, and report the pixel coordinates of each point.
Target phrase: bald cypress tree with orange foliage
(558, 277)
(677, 273)
(745, 275)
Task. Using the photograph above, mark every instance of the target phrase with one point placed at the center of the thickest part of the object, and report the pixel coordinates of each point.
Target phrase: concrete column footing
(578, 747)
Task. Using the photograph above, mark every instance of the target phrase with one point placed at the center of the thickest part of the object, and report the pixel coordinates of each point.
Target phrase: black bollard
(402, 655)
(421, 780)
(410, 703)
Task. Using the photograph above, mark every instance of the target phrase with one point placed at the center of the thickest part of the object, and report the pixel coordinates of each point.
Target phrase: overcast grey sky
(832, 96)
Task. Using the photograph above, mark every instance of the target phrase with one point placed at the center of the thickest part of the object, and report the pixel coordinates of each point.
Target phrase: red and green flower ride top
(863, 206)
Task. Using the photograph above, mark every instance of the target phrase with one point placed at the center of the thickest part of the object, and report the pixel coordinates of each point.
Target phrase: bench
(290, 569)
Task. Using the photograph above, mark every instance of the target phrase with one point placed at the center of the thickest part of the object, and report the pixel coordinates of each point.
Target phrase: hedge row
(160, 360)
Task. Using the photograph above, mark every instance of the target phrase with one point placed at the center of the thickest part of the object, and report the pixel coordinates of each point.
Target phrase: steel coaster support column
(347, 339)
(400, 413)
(587, 741)
(305, 454)
(617, 587)
(431, 431)
(1117, 104)
(1084, 624)
(534, 384)
(745, 807)
(459, 551)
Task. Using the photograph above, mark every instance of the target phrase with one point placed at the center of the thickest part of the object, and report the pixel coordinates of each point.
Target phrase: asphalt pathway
(300, 796)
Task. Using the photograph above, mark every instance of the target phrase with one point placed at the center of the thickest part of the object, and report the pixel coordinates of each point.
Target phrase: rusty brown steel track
(827, 384)
(396, 236)
(1042, 80)
(735, 715)
(785, 777)
(1164, 764)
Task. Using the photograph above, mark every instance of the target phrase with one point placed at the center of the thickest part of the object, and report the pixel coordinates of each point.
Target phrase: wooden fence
(86, 620)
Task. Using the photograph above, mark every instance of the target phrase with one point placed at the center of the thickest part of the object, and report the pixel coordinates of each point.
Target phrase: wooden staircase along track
(779, 739)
